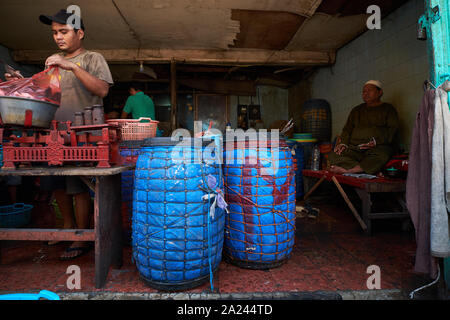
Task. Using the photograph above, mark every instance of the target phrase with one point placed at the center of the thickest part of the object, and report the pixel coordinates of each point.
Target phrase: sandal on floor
(313, 213)
(301, 212)
(81, 250)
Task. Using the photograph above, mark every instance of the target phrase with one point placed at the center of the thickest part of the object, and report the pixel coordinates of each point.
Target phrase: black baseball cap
(62, 16)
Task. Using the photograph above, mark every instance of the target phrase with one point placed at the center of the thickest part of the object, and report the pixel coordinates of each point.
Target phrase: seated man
(366, 143)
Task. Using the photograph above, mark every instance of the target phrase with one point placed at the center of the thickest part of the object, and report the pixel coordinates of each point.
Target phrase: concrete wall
(273, 101)
(392, 55)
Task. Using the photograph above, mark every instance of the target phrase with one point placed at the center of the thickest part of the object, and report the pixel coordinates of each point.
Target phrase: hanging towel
(440, 177)
(418, 184)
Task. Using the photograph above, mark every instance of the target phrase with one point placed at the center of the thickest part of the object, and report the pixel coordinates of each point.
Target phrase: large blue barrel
(177, 241)
(260, 192)
(129, 154)
(298, 154)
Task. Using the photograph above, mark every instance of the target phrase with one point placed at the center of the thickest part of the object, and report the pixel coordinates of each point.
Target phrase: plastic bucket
(129, 155)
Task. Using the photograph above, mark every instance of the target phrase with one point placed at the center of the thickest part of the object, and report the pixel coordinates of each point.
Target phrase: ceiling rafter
(213, 57)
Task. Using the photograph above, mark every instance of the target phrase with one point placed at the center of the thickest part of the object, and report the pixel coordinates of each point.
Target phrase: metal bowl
(13, 110)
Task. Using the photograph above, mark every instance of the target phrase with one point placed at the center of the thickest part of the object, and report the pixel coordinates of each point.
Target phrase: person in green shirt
(138, 104)
(367, 140)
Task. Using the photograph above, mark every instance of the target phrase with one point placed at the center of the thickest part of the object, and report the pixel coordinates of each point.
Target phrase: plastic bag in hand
(44, 86)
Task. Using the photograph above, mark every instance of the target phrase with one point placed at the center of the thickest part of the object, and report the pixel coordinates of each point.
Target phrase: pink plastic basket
(135, 129)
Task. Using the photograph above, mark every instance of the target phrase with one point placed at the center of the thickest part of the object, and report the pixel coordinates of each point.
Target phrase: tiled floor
(330, 253)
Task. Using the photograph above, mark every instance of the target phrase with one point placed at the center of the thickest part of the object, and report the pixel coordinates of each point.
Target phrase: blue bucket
(42, 295)
(298, 153)
(15, 216)
(177, 241)
(129, 155)
(260, 192)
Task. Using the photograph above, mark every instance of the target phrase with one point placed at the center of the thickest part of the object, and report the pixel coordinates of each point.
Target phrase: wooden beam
(236, 87)
(47, 234)
(194, 56)
(202, 69)
(66, 171)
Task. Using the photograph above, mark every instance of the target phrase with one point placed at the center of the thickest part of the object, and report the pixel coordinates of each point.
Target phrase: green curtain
(437, 23)
(438, 20)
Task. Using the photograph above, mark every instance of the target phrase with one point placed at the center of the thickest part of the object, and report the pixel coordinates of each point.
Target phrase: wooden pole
(306, 196)
(349, 203)
(173, 95)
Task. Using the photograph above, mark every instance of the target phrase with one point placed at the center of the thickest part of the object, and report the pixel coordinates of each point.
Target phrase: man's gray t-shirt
(74, 96)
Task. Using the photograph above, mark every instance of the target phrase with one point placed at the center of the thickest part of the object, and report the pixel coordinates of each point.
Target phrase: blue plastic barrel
(177, 238)
(260, 192)
(298, 154)
(129, 155)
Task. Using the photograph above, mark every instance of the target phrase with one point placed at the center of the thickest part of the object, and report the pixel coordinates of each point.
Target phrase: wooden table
(107, 232)
(364, 188)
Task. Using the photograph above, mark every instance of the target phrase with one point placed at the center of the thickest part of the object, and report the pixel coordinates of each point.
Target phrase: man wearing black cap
(85, 81)
(85, 75)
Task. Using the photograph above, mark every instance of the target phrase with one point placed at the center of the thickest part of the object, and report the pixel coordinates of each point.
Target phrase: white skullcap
(376, 83)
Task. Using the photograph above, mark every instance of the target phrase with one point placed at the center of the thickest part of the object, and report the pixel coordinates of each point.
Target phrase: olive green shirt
(363, 123)
(74, 96)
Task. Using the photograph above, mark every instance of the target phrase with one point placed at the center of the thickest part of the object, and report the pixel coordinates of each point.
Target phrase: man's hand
(369, 145)
(340, 148)
(9, 76)
(60, 61)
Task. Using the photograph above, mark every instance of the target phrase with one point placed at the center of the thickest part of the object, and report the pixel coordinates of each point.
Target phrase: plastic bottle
(316, 158)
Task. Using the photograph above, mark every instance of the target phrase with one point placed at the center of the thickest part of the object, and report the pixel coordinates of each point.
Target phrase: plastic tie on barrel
(216, 193)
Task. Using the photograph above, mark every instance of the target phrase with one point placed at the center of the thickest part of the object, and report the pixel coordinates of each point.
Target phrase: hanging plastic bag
(44, 86)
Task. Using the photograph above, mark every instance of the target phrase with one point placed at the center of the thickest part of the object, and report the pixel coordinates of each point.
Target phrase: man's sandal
(313, 213)
(300, 212)
(81, 251)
